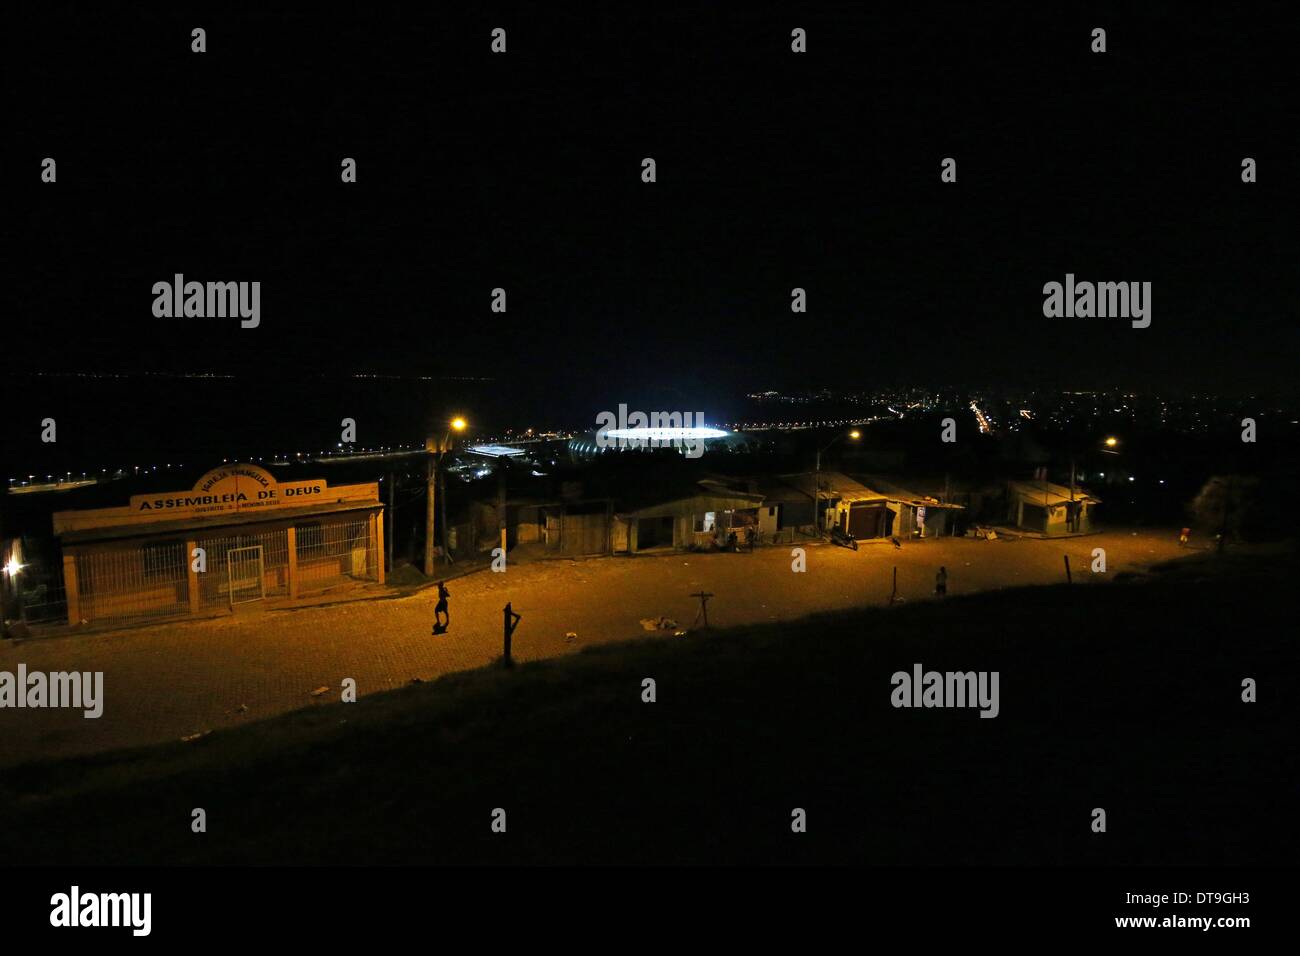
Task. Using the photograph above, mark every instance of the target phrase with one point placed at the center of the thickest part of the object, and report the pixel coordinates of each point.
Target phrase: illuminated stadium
(683, 440)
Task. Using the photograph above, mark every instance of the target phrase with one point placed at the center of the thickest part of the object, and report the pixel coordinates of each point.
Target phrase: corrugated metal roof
(903, 495)
(1044, 492)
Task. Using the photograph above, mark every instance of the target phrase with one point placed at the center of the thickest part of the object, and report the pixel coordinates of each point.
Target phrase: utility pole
(817, 484)
(817, 472)
(442, 492)
(431, 481)
(435, 449)
(501, 504)
(1072, 514)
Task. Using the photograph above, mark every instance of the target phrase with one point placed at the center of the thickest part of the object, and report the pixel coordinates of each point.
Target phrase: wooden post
(378, 524)
(291, 543)
(431, 480)
(192, 576)
(1068, 578)
(70, 589)
(704, 606)
(894, 593)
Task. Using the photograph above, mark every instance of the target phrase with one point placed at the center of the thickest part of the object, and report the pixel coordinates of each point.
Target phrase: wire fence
(215, 583)
(130, 583)
(334, 552)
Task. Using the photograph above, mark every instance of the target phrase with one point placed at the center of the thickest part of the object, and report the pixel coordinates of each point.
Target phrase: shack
(1050, 509)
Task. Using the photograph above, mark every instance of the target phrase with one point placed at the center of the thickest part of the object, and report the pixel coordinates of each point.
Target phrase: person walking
(941, 582)
(1183, 536)
(441, 616)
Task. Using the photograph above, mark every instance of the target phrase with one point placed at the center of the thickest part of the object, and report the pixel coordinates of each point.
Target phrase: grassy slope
(1125, 697)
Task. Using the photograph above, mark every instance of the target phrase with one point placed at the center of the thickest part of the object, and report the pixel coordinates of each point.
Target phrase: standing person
(941, 582)
(511, 621)
(441, 616)
(749, 537)
(1183, 536)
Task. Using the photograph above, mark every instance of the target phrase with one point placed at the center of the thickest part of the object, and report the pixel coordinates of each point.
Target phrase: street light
(11, 569)
(817, 485)
(436, 450)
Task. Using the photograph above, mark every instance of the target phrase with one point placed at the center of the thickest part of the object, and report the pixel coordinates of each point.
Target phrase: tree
(1228, 505)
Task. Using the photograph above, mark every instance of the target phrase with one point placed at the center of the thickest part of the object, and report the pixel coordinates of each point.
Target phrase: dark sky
(775, 170)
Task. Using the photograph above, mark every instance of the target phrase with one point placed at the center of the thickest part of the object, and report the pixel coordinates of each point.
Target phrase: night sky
(775, 170)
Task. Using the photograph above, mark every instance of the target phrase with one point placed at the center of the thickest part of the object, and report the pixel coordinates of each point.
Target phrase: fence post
(191, 576)
(291, 542)
(70, 592)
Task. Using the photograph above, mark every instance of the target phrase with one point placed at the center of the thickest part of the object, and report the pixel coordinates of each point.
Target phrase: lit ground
(173, 680)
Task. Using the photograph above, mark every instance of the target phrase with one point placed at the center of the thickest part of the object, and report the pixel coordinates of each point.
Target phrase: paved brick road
(171, 680)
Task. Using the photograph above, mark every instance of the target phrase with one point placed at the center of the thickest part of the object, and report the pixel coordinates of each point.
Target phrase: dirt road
(172, 680)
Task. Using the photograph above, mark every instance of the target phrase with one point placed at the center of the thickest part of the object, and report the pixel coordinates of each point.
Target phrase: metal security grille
(38, 593)
(214, 582)
(244, 569)
(132, 583)
(334, 552)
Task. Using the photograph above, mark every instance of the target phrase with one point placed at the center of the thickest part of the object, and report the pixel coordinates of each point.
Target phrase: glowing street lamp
(817, 484)
(11, 569)
(436, 450)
